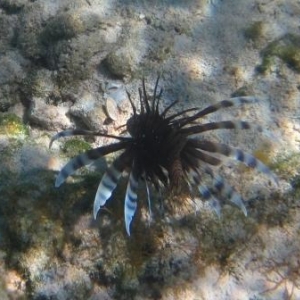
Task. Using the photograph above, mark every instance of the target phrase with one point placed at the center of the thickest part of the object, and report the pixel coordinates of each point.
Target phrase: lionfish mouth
(163, 150)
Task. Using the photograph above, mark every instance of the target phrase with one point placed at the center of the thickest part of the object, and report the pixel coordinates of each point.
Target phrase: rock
(49, 117)
(61, 61)
(89, 110)
(111, 108)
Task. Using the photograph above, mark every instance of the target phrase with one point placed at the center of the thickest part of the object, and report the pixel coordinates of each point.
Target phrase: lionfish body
(161, 151)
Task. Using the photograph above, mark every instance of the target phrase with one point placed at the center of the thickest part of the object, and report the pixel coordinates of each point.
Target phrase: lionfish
(162, 150)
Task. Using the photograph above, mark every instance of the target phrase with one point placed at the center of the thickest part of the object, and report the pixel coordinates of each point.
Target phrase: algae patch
(63, 27)
(255, 33)
(287, 166)
(75, 146)
(12, 125)
(287, 48)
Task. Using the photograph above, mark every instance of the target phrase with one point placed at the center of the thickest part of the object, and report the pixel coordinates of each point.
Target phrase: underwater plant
(163, 150)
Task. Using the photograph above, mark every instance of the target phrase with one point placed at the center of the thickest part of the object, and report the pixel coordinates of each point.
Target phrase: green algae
(242, 91)
(62, 27)
(34, 84)
(255, 31)
(12, 125)
(75, 146)
(287, 48)
(287, 166)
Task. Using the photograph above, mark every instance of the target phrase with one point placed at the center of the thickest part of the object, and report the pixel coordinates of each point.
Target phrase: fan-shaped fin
(213, 108)
(237, 154)
(130, 204)
(219, 125)
(109, 182)
(213, 201)
(229, 193)
(61, 134)
(171, 117)
(85, 159)
(205, 192)
(83, 132)
(204, 157)
(149, 200)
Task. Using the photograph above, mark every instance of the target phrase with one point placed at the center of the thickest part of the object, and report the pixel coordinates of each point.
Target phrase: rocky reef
(67, 64)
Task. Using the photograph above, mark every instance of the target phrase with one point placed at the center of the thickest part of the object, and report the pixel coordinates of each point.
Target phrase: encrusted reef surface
(67, 64)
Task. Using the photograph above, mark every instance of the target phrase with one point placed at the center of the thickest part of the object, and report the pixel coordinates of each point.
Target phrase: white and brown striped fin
(83, 132)
(85, 159)
(229, 193)
(174, 116)
(225, 191)
(194, 153)
(130, 204)
(64, 134)
(215, 107)
(237, 154)
(205, 192)
(238, 124)
(109, 182)
(148, 200)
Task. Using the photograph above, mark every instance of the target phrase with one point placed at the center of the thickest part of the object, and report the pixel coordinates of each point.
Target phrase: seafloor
(67, 64)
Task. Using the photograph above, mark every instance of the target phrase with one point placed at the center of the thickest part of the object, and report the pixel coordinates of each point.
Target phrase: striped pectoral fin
(149, 199)
(203, 156)
(73, 165)
(85, 159)
(235, 101)
(109, 182)
(130, 204)
(75, 132)
(229, 193)
(237, 154)
(205, 192)
(217, 106)
(212, 200)
(59, 135)
(70, 132)
(232, 124)
(252, 162)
